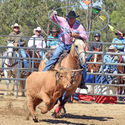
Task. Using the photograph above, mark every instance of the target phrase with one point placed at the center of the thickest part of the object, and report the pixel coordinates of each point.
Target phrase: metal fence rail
(33, 61)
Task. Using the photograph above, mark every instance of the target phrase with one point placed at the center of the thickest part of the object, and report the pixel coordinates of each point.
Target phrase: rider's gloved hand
(72, 34)
(54, 12)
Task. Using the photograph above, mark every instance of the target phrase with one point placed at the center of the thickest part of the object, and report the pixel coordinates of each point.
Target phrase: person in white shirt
(37, 41)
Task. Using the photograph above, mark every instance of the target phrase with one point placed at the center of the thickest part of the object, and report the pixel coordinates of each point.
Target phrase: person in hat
(110, 68)
(73, 29)
(16, 37)
(53, 39)
(119, 43)
(96, 46)
(37, 41)
(16, 34)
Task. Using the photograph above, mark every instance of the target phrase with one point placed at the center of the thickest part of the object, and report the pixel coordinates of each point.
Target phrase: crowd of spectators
(53, 40)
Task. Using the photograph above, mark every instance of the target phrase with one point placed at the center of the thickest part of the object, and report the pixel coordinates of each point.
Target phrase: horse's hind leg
(63, 101)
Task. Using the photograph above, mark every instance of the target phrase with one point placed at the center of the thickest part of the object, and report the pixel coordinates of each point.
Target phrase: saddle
(49, 54)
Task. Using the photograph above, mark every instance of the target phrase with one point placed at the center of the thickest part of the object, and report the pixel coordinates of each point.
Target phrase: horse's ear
(73, 39)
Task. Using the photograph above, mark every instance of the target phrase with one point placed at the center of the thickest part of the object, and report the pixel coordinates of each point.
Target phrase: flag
(111, 27)
(87, 2)
(95, 11)
(102, 18)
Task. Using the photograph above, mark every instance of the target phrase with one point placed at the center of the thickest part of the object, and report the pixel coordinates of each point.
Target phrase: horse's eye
(76, 46)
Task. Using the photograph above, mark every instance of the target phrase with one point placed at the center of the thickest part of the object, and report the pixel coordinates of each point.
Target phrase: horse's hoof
(35, 119)
(64, 111)
(55, 115)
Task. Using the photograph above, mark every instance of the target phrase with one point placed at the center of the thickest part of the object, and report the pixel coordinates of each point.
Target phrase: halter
(78, 54)
(63, 69)
(11, 65)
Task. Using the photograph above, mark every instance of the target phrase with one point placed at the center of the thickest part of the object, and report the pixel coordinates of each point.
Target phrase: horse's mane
(79, 37)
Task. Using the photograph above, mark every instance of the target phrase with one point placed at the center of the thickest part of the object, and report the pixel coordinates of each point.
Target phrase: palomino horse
(70, 62)
(11, 68)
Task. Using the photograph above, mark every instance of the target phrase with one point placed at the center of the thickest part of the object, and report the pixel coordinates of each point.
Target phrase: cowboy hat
(72, 14)
(37, 29)
(112, 47)
(16, 25)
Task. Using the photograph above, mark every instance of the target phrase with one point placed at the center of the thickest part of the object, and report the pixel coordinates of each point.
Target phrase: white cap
(37, 29)
(112, 47)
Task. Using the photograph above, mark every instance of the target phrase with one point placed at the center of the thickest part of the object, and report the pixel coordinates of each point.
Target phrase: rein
(63, 69)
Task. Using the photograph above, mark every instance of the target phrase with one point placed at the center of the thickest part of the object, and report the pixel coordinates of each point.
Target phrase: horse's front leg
(63, 99)
(7, 82)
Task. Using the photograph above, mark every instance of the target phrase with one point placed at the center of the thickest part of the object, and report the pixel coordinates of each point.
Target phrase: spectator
(110, 68)
(53, 39)
(37, 41)
(16, 37)
(119, 43)
(95, 46)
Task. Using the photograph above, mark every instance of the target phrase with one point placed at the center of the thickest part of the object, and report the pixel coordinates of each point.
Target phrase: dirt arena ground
(13, 112)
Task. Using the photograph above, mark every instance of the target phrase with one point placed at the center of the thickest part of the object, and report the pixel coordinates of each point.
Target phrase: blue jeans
(89, 57)
(41, 53)
(59, 50)
(84, 73)
(23, 54)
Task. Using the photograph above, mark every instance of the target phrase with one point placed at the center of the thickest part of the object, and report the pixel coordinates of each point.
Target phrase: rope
(63, 69)
(67, 30)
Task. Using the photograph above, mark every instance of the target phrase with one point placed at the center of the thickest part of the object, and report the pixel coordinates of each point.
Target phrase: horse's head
(10, 50)
(78, 50)
(95, 58)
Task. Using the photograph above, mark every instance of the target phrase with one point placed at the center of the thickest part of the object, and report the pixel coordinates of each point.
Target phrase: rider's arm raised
(57, 19)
